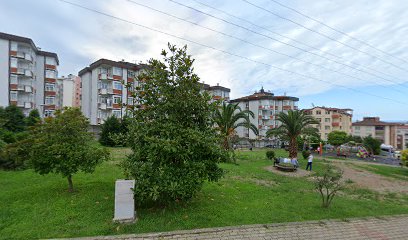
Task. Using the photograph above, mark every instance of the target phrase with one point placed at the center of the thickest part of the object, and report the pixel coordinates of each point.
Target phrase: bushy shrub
(270, 155)
(404, 157)
(328, 183)
(305, 154)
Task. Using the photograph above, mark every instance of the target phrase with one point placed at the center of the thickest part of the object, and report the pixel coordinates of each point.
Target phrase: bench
(286, 168)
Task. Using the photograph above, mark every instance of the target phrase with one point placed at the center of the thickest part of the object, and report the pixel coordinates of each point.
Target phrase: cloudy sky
(241, 44)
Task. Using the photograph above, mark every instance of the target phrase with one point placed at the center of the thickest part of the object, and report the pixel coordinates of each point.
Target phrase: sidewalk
(394, 227)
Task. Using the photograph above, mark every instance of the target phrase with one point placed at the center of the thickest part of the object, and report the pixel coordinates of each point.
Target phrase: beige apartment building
(28, 76)
(217, 92)
(386, 132)
(331, 119)
(266, 106)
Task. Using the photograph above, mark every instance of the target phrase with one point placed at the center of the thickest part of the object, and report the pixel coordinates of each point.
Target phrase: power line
(291, 45)
(336, 30)
(294, 40)
(324, 35)
(251, 43)
(225, 52)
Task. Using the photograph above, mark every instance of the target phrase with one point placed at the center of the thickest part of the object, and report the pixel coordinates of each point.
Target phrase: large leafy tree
(33, 118)
(13, 119)
(110, 127)
(63, 145)
(293, 124)
(175, 147)
(373, 145)
(228, 117)
(337, 138)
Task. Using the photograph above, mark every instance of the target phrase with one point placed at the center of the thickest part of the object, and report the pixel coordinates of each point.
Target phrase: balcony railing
(105, 91)
(24, 104)
(105, 106)
(105, 76)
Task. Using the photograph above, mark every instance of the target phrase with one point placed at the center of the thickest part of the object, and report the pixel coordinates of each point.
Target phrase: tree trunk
(70, 185)
(293, 148)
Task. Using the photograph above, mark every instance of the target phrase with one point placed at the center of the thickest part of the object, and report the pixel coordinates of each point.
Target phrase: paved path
(383, 228)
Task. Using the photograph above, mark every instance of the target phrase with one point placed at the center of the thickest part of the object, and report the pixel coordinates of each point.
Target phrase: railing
(105, 76)
(106, 91)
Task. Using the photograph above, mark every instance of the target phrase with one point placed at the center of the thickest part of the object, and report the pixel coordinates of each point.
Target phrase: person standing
(309, 162)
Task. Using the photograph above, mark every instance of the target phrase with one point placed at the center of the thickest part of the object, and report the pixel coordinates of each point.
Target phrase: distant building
(218, 92)
(104, 91)
(71, 90)
(331, 119)
(402, 136)
(386, 132)
(28, 76)
(266, 106)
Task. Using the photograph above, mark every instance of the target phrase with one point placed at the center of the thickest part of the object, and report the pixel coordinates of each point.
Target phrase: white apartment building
(104, 91)
(71, 86)
(28, 76)
(218, 92)
(331, 119)
(386, 132)
(266, 106)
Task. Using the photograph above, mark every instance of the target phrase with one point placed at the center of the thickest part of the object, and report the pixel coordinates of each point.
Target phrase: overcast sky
(373, 76)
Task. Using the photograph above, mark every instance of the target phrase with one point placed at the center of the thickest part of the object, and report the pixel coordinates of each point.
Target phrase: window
(13, 96)
(13, 46)
(49, 100)
(327, 112)
(318, 112)
(50, 61)
(327, 120)
(117, 71)
(117, 85)
(13, 62)
(326, 127)
(117, 100)
(50, 74)
(357, 128)
(49, 87)
(319, 119)
(130, 101)
(13, 79)
(48, 113)
(117, 113)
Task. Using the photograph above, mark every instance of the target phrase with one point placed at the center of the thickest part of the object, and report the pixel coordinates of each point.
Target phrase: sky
(354, 56)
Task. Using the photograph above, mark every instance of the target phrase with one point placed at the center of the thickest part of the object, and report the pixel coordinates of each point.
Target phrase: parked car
(397, 154)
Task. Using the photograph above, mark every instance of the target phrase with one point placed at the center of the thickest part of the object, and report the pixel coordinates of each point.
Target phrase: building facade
(266, 106)
(331, 119)
(218, 92)
(402, 137)
(386, 132)
(71, 86)
(28, 76)
(104, 91)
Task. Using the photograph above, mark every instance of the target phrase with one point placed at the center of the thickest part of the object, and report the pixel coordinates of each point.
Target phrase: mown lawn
(34, 206)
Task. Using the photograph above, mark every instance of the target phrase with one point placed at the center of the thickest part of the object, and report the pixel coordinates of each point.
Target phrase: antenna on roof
(313, 105)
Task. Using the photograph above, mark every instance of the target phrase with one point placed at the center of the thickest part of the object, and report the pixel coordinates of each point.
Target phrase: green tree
(372, 144)
(356, 139)
(174, 145)
(13, 119)
(110, 127)
(63, 145)
(293, 124)
(33, 118)
(337, 138)
(404, 157)
(229, 117)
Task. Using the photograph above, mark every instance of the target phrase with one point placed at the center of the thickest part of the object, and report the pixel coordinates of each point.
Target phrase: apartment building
(28, 75)
(104, 91)
(218, 92)
(71, 86)
(402, 136)
(331, 119)
(266, 106)
(386, 132)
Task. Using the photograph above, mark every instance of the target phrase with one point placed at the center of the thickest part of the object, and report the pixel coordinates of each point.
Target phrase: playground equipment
(351, 148)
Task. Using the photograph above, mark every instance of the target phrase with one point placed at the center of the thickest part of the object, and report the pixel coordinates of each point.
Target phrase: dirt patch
(298, 173)
(367, 179)
(260, 182)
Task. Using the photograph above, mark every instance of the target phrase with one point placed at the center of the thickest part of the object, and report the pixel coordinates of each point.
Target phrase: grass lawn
(35, 206)
(392, 172)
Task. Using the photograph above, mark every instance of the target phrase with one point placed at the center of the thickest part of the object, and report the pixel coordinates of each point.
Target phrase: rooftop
(375, 121)
(262, 95)
(29, 41)
(119, 64)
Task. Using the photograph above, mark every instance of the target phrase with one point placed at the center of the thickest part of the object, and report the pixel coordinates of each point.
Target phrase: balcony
(287, 108)
(335, 124)
(105, 76)
(336, 116)
(50, 67)
(105, 106)
(21, 55)
(105, 91)
(24, 104)
(265, 117)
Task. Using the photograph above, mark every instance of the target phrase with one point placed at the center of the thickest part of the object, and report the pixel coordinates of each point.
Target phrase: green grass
(34, 206)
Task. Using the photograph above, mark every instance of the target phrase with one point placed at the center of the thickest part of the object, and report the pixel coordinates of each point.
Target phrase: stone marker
(124, 201)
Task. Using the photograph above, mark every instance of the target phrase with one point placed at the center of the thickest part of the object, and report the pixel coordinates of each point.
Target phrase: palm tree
(227, 117)
(293, 124)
